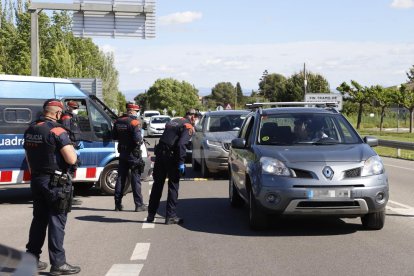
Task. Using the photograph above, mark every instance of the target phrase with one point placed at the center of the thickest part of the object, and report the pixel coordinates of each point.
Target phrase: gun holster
(61, 182)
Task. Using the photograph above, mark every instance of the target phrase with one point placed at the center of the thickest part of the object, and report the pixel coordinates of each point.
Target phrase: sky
(207, 42)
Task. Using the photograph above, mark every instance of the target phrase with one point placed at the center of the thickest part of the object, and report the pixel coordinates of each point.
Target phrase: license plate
(328, 193)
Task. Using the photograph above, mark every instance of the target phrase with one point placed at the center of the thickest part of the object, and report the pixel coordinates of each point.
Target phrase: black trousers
(45, 216)
(123, 169)
(165, 166)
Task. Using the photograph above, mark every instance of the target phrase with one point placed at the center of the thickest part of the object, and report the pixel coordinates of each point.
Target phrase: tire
(196, 165)
(374, 221)
(204, 170)
(257, 218)
(108, 179)
(235, 199)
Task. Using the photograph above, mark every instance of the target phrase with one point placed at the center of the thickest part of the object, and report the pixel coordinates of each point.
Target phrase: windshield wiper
(326, 141)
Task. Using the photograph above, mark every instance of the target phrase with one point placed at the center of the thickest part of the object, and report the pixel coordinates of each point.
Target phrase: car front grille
(302, 173)
(226, 146)
(327, 204)
(353, 173)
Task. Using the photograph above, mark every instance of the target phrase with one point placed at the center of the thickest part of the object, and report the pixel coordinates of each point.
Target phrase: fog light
(272, 198)
(380, 197)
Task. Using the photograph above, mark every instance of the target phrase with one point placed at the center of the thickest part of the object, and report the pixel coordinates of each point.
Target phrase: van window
(17, 115)
(100, 124)
(63, 89)
(21, 89)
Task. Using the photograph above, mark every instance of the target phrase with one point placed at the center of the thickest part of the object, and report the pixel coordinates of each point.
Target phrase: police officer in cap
(170, 156)
(70, 121)
(127, 130)
(49, 153)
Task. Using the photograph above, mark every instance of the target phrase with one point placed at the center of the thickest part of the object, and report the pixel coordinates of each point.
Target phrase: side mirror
(371, 141)
(198, 128)
(238, 143)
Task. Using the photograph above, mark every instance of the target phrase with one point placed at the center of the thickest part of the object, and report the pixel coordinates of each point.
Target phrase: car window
(150, 114)
(230, 122)
(243, 131)
(160, 120)
(100, 124)
(305, 128)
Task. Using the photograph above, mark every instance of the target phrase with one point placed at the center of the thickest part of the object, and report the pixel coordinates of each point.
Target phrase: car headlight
(274, 166)
(373, 166)
(213, 143)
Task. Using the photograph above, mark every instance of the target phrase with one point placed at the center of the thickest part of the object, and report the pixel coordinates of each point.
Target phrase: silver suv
(306, 161)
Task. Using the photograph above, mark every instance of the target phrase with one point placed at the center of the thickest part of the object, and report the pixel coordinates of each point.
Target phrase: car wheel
(257, 219)
(108, 179)
(196, 166)
(204, 170)
(235, 199)
(374, 221)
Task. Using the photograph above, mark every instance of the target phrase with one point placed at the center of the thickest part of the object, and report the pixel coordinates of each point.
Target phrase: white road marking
(140, 251)
(399, 167)
(400, 204)
(125, 270)
(146, 225)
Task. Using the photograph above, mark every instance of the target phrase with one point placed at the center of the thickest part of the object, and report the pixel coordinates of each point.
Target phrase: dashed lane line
(400, 204)
(405, 168)
(125, 270)
(140, 251)
(402, 210)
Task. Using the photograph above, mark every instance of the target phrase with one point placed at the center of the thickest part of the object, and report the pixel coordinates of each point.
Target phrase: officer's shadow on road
(215, 215)
(15, 195)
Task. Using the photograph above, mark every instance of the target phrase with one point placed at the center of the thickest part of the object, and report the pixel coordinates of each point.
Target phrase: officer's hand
(181, 168)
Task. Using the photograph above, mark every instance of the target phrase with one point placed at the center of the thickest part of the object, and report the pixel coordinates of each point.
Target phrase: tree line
(61, 53)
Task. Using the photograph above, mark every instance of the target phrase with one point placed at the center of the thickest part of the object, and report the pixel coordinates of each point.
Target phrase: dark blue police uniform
(43, 141)
(71, 122)
(169, 154)
(128, 132)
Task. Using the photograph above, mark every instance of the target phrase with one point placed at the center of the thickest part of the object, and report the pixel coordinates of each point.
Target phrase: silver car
(306, 161)
(211, 141)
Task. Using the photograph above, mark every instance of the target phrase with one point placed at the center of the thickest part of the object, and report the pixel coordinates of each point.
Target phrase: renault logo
(328, 172)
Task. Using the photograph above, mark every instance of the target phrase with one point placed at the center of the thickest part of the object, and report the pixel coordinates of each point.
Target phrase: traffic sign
(228, 106)
(324, 97)
(219, 108)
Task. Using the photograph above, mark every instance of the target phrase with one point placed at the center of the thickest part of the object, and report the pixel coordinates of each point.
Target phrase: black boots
(141, 208)
(65, 269)
(174, 220)
(118, 207)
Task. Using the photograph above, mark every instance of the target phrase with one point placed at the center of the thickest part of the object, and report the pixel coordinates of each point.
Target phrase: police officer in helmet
(49, 153)
(127, 130)
(170, 156)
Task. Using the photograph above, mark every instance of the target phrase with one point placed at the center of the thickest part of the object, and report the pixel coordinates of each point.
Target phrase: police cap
(52, 102)
(72, 104)
(132, 106)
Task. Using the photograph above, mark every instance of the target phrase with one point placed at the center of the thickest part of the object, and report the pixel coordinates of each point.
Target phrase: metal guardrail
(396, 145)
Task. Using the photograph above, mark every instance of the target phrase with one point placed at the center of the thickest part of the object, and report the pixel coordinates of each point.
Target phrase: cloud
(107, 49)
(402, 4)
(180, 18)
(369, 63)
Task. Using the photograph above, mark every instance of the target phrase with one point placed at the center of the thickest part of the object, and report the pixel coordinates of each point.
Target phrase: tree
(121, 103)
(272, 86)
(173, 95)
(358, 94)
(142, 100)
(222, 93)
(384, 97)
(406, 99)
(239, 96)
(410, 74)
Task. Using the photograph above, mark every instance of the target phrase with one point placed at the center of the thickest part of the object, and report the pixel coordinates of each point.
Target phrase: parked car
(211, 141)
(306, 161)
(156, 124)
(146, 116)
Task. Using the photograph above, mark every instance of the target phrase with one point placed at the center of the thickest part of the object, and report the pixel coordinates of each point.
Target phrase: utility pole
(305, 80)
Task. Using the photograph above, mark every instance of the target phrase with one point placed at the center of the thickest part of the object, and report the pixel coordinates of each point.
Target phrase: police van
(21, 101)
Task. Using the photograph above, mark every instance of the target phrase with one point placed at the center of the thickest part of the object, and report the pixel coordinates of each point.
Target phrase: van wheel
(257, 218)
(374, 221)
(235, 199)
(108, 179)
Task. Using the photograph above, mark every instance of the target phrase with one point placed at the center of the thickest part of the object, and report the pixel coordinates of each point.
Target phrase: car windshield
(150, 114)
(160, 120)
(306, 128)
(231, 122)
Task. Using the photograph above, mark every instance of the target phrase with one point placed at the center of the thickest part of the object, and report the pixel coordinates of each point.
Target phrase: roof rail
(316, 104)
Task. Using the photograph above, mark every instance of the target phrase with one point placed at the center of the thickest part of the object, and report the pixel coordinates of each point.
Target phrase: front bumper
(216, 159)
(298, 199)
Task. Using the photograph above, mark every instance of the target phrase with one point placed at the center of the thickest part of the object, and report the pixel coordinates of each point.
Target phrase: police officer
(49, 153)
(170, 155)
(127, 130)
(70, 121)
